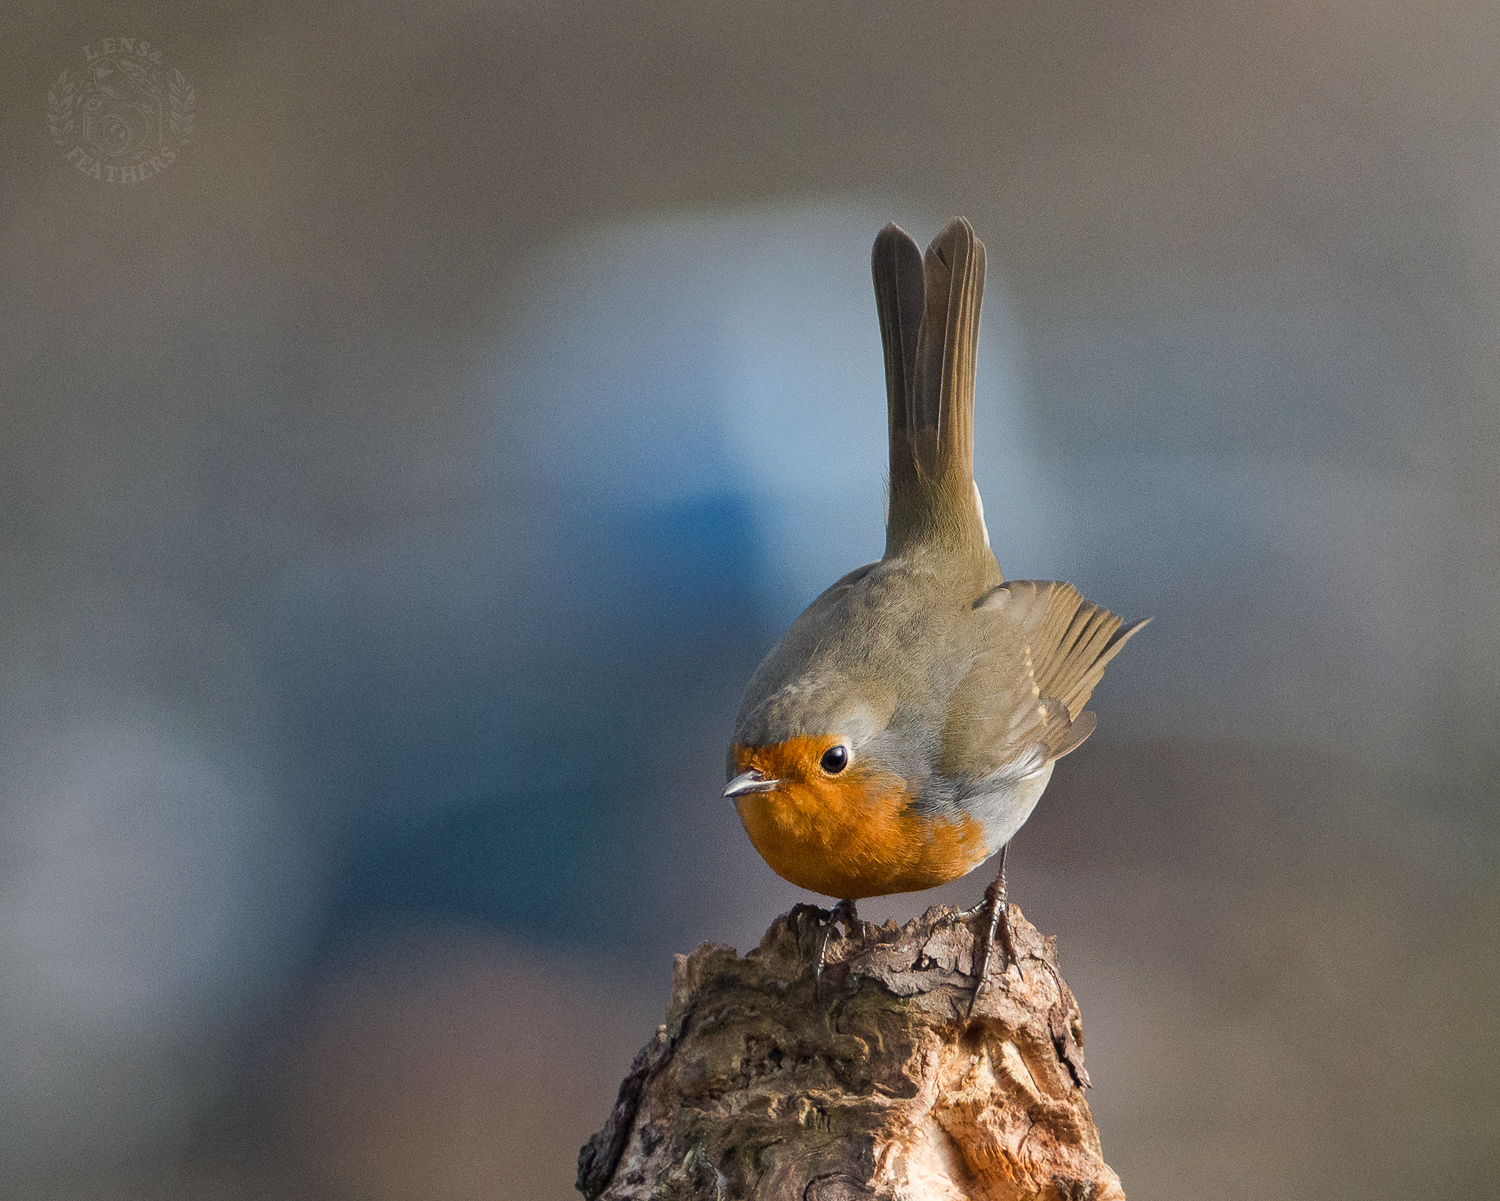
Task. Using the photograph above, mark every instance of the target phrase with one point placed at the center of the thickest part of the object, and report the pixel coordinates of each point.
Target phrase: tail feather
(942, 409)
(896, 264)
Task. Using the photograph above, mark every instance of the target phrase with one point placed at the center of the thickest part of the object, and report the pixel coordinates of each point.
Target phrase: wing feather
(1021, 704)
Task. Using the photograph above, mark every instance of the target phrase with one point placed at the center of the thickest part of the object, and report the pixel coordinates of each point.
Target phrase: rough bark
(878, 1083)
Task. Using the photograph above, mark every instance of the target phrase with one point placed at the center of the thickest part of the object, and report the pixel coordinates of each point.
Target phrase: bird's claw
(998, 905)
(842, 912)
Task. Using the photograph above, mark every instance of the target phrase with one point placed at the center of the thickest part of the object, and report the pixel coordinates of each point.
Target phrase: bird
(905, 726)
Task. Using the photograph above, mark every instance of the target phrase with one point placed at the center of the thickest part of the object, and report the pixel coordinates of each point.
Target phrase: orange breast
(852, 835)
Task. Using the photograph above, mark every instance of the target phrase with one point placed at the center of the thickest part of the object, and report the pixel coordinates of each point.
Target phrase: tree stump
(875, 1083)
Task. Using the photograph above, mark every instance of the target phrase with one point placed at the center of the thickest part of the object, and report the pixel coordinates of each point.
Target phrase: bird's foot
(842, 912)
(997, 904)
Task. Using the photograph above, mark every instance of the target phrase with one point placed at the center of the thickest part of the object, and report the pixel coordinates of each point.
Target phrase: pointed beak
(750, 781)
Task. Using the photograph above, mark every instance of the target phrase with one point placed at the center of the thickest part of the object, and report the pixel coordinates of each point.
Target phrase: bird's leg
(843, 911)
(998, 905)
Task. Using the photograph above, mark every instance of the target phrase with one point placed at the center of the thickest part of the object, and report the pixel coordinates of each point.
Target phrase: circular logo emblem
(122, 117)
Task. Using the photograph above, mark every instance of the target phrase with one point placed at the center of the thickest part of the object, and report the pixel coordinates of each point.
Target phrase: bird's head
(814, 737)
(812, 763)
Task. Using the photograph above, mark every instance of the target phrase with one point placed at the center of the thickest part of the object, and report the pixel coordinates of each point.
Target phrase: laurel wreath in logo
(60, 97)
(180, 99)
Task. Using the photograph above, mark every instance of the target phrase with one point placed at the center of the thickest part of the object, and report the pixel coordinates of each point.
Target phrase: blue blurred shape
(530, 859)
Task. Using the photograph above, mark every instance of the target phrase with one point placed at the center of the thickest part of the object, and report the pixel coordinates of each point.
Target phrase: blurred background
(397, 491)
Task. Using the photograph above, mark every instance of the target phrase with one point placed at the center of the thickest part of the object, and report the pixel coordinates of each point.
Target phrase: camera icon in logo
(122, 110)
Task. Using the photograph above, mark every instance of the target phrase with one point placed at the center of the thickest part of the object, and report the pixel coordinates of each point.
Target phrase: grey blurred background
(397, 491)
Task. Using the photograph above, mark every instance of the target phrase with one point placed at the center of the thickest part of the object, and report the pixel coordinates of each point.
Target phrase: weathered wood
(876, 1084)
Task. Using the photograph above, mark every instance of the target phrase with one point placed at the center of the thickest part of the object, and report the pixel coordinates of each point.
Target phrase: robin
(904, 728)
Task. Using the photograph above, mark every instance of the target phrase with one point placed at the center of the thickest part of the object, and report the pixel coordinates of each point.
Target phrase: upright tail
(929, 324)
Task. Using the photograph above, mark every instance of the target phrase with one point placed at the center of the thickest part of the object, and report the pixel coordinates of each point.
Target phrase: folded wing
(1020, 706)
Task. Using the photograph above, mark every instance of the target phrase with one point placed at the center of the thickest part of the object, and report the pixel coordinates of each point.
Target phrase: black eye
(835, 759)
